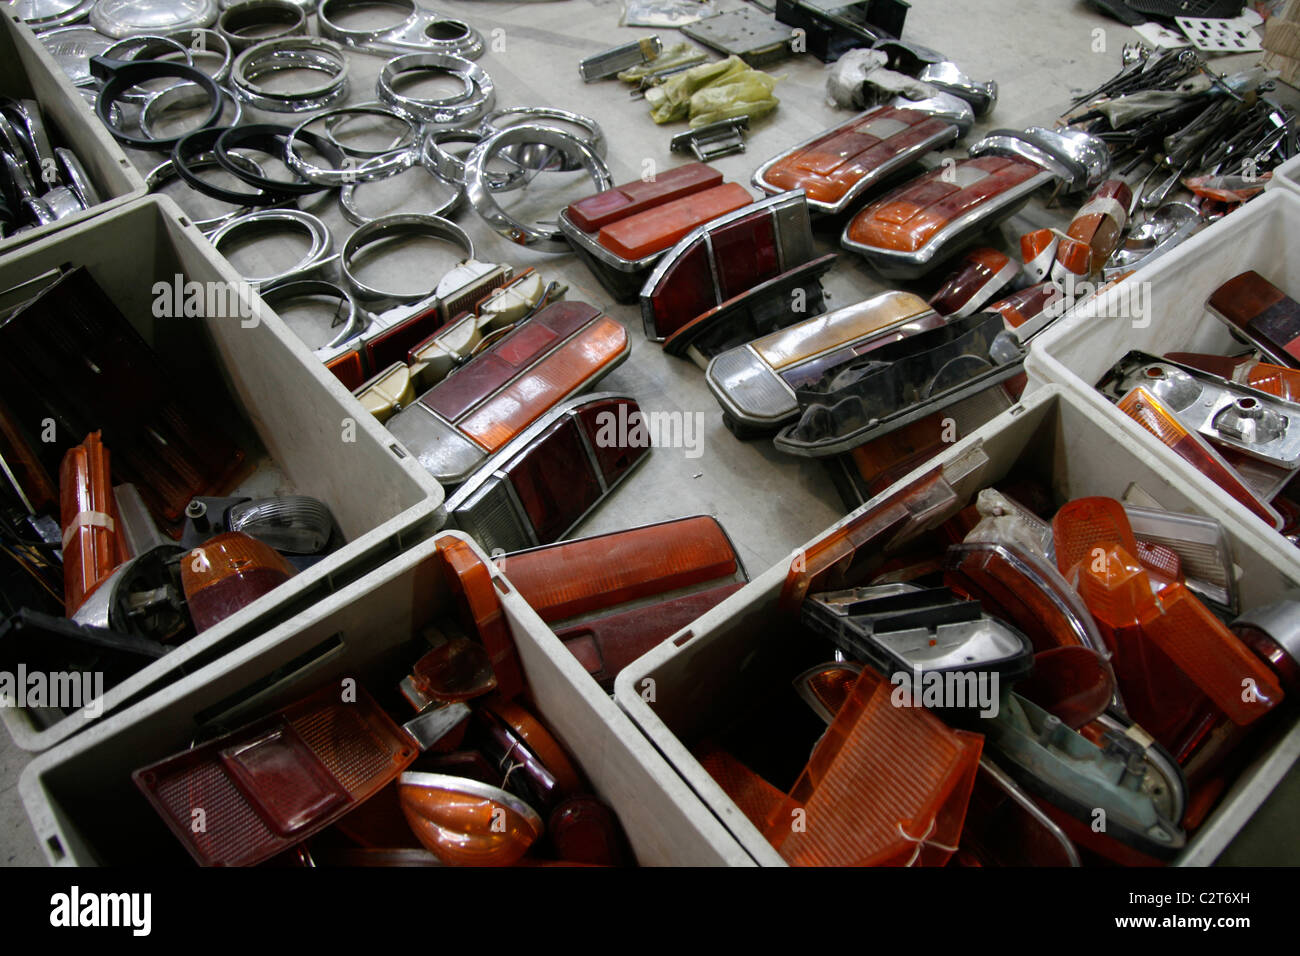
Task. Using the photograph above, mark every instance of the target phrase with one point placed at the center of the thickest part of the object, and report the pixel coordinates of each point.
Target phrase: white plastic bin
(1063, 441)
(27, 71)
(382, 500)
(1286, 176)
(85, 809)
(1264, 235)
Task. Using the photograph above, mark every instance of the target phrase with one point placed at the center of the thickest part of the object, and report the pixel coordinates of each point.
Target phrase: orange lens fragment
(1238, 682)
(466, 823)
(470, 579)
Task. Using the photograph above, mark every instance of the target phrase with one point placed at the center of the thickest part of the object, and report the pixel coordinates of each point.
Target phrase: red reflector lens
(271, 784)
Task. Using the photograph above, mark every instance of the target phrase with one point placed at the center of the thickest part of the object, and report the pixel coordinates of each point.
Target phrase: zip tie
(87, 519)
(923, 841)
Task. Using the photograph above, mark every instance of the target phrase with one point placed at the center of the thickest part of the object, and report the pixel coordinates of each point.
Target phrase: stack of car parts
(40, 183)
(472, 778)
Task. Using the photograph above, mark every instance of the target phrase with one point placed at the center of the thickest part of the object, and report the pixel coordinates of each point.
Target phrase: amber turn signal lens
(227, 573)
(466, 823)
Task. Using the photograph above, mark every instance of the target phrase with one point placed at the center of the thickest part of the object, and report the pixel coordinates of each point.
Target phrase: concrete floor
(1040, 54)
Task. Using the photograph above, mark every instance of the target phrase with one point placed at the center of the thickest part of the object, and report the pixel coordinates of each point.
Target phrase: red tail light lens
(348, 369)
(466, 823)
(243, 798)
(662, 227)
(846, 160)
(631, 198)
(554, 498)
(981, 275)
(92, 546)
(566, 580)
(228, 573)
(687, 290)
(1145, 409)
(909, 217)
(885, 786)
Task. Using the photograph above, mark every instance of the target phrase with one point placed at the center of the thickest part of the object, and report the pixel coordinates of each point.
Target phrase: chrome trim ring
(386, 227)
(316, 256)
(348, 202)
(475, 100)
(350, 173)
(260, 13)
(291, 53)
(281, 292)
(183, 95)
(477, 182)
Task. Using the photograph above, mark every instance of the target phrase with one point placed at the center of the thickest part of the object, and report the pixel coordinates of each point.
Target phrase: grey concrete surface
(1039, 53)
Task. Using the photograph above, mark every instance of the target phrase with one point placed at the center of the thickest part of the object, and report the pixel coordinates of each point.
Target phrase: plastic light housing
(886, 785)
(548, 478)
(838, 166)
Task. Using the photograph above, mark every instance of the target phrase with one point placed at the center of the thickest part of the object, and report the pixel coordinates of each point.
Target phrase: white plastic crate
(85, 809)
(27, 71)
(1264, 235)
(382, 500)
(1286, 176)
(701, 670)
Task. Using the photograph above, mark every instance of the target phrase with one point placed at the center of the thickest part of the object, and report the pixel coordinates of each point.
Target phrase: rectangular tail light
(561, 351)
(613, 597)
(621, 232)
(725, 258)
(1253, 306)
(912, 229)
(551, 475)
(837, 167)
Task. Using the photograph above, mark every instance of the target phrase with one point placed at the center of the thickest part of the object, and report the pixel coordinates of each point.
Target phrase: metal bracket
(617, 59)
(709, 142)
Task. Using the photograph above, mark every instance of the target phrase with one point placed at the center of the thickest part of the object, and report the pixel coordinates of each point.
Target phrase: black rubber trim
(121, 75)
(271, 139)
